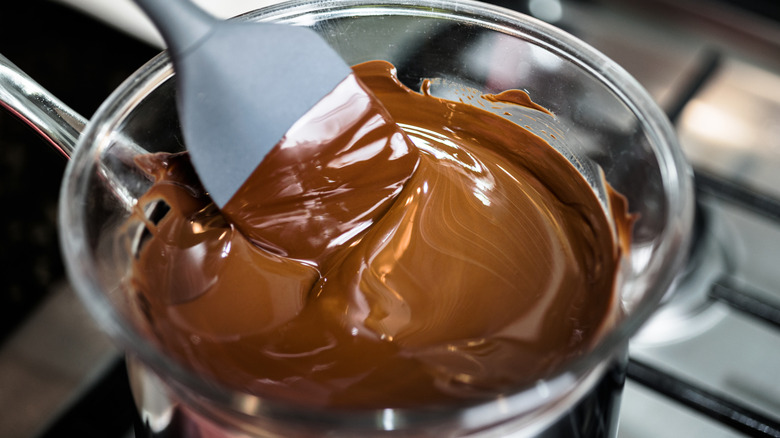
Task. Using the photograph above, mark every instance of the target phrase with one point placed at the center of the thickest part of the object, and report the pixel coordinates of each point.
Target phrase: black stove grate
(715, 406)
(746, 302)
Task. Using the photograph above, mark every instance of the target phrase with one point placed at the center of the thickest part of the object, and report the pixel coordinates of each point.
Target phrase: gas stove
(705, 365)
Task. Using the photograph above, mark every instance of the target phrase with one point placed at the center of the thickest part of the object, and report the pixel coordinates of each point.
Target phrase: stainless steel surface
(732, 127)
(729, 128)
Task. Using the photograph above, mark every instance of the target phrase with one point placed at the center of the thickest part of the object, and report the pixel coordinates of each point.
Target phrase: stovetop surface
(714, 67)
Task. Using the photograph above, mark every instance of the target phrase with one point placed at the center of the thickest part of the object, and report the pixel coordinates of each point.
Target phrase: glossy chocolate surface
(488, 267)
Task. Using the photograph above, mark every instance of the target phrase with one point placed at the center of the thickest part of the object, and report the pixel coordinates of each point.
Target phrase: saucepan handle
(47, 115)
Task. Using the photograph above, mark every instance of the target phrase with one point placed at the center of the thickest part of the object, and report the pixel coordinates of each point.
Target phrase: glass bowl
(609, 128)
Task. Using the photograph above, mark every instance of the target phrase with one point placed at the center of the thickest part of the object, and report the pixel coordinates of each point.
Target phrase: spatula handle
(181, 22)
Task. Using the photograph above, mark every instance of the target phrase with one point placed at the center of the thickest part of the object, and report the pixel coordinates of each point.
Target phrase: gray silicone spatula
(240, 87)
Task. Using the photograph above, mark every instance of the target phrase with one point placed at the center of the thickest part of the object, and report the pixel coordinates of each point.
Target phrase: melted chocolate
(487, 269)
(338, 168)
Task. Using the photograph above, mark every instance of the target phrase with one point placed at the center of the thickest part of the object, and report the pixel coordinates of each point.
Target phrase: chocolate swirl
(488, 268)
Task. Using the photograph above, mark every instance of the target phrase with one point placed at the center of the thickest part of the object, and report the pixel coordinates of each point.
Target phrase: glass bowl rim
(677, 178)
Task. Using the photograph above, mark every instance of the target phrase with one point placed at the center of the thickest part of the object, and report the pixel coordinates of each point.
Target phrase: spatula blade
(242, 89)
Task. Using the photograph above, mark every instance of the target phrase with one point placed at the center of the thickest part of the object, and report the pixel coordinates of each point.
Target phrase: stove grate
(722, 409)
(717, 407)
(746, 302)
